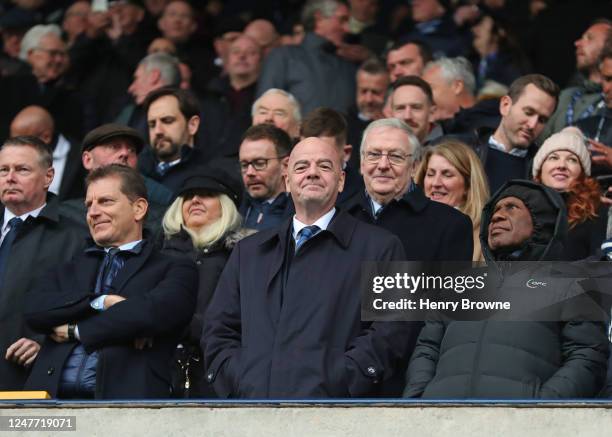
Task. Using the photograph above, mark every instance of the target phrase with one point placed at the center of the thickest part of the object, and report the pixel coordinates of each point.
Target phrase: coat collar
(314, 41)
(341, 228)
(49, 213)
(414, 199)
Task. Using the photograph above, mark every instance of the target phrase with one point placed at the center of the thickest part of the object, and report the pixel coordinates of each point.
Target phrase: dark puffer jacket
(507, 360)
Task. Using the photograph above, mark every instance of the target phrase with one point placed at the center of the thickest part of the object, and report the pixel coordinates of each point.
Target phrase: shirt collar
(62, 148)
(133, 247)
(127, 246)
(375, 206)
(516, 151)
(172, 163)
(8, 215)
(322, 222)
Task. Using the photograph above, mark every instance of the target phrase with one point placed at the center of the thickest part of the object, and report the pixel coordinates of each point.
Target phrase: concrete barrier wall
(324, 420)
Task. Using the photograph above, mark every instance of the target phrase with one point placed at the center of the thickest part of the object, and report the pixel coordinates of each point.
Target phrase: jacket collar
(341, 228)
(50, 212)
(314, 41)
(414, 198)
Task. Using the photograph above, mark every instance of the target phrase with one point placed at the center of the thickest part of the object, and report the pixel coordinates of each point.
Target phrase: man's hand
(604, 156)
(141, 343)
(111, 300)
(60, 334)
(22, 352)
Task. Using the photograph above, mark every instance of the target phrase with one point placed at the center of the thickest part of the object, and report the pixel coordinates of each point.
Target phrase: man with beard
(264, 153)
(173, 119)
(584, 99)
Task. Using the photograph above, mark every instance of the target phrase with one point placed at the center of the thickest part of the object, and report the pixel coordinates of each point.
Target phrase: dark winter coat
(428, 230)
(289, 326)
(41, 244)
(210, 263)
(565, 359)
(160, 297)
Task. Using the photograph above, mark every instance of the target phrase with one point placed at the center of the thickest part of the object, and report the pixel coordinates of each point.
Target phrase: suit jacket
(42, 243)
(160, 297)
(429, 231)
(72, 185)
(289, 326)
(312, 72)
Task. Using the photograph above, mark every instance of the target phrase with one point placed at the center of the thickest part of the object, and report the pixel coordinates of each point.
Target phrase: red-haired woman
(564, 164)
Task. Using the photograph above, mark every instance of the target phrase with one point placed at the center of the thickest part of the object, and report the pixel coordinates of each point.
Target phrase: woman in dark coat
(563, 163)
(202, 224)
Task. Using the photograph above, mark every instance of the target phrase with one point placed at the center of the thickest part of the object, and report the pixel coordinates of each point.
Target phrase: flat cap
(102, 134)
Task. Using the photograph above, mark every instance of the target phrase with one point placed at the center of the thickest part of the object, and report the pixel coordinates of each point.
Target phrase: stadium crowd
(190, 189)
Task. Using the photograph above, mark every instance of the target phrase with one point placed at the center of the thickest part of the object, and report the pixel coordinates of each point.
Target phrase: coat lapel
(133, 263)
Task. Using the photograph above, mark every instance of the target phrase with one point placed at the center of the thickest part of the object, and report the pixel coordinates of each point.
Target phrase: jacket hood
(549, 218)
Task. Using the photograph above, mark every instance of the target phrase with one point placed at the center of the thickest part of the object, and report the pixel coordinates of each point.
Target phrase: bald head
(314, 178)
(264, 33)
(34, 121)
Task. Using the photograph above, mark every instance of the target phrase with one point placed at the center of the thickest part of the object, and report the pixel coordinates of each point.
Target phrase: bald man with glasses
(263, 155)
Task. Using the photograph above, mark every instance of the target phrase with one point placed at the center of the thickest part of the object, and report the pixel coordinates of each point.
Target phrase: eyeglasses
(393, 157)
(53, 52)
(258, 164)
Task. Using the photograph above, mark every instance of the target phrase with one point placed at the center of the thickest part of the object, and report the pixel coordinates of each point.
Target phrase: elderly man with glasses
(428, 230)
(263, 155)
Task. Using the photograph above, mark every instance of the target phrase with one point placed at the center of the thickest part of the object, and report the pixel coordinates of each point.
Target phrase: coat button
(210, 376)
(199, 262)
(372, 370)
(50, 370)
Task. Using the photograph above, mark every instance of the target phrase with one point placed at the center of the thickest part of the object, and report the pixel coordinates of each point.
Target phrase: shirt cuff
(76, 332)
(98, 303)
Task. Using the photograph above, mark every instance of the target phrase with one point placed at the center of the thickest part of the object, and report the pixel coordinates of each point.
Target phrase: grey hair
(31, 39)
(297, 111)
(394, 123)
(167, 65)
(458, 68)
(327, 8)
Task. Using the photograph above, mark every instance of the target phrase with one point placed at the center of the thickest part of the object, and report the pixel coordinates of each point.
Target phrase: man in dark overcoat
(34, 238)
(285, 318)
(113, 316)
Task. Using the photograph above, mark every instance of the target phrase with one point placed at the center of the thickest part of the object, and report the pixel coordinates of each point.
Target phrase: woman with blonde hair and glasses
(451, 173)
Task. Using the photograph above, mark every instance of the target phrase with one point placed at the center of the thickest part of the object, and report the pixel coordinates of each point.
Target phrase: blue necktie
(110, 267)
(162, 168)
(5, 250)
(305, 234)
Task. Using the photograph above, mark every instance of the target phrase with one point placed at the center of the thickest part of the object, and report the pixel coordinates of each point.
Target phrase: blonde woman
(202, 224)
(451, 173)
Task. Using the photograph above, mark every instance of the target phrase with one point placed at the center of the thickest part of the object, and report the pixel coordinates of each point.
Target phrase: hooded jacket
(494, 360)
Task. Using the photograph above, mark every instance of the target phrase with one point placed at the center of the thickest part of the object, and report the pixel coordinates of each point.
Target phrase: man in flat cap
(114, 143)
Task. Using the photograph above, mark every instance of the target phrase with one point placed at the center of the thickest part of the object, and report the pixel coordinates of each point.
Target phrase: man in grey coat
(312, 71)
